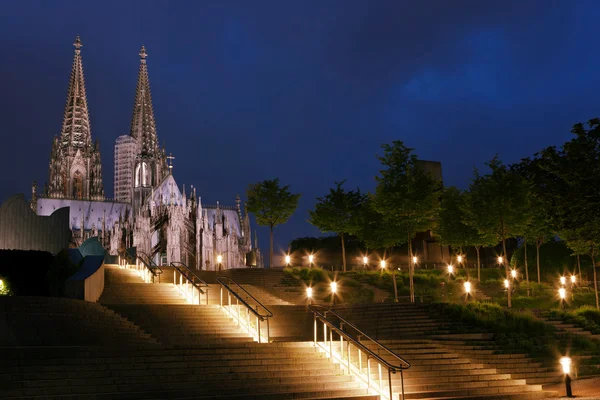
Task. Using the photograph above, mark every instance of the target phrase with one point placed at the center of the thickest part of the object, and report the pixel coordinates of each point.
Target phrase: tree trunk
(595, 279)
(537, 259)
(411, 270)
(579, 268)
(395, 286)
(506, 267)
(477, 248)
(343, 252)
(526, 267)
(271, 247)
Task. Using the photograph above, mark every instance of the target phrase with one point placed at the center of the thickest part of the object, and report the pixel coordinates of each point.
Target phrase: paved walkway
(583, 389)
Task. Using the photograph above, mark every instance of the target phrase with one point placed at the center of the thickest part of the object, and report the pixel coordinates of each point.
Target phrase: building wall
(22, 229)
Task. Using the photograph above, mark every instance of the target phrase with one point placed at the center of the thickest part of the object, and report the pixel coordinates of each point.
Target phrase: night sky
(305, 91)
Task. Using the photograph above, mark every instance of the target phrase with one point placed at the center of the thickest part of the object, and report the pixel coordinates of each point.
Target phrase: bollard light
(468, 287)
(365, 260)
(309, 292)
(562, 292)
(563, 280)
(506, 283)
(382, 264)
(500, 259)
(565, 362)
(513, 273)
(288, 259)
(414, 259)
(573, 279)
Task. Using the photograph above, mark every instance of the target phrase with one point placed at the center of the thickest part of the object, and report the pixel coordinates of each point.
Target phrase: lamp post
(565, 362)
(333, 290)
(219, 261)
(288, 260)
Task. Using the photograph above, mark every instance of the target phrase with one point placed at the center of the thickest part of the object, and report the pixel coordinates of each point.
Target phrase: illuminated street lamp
(513, 273)
(450, 271)
(415, 259)
(467, 290)
(565, 362)
(309, 293)
(365, 260)
(382, 263)
(333, 290)
(506, 284)
(219, 261)
(288, 259)
(459, 259)
(573, 279)
(500, 260)
(562, 293)
(563, 280)
(311, 259)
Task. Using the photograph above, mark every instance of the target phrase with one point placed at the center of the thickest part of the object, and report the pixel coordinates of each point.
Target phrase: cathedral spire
(76, 131)
(143, 126)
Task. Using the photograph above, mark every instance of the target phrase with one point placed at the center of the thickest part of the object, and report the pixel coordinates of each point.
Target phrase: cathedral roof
(76, 131)
(143, 126)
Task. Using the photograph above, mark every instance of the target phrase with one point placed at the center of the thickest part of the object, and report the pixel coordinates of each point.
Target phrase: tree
(495, 205)
(570, 181)
(338, 212)
(537, 227)
(407, 195)
(272, 205)
(453, 229)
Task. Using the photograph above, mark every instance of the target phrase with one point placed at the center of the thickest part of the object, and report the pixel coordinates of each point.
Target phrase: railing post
(368, 371)
(315, 329)
(380, 377)
(268, 331)
(331, 343)
(257, 328)
(348, 355)
(341, 346)
(359, 360)
(390, 382)
(402, 381)
(324, 336)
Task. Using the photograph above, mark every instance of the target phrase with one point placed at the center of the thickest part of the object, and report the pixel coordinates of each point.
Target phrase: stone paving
(583, 389)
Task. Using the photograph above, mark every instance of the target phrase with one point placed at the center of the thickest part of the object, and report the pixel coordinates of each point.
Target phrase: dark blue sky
(305, 91)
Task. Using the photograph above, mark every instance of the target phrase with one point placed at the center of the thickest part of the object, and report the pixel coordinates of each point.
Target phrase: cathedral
(150, 212)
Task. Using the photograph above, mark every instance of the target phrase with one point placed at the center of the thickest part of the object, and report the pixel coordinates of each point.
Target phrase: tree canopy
(338, 212)
(272, 205)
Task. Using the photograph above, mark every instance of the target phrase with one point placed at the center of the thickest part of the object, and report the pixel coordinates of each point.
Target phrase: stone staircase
(571, 328)
(192, 351)
(448, 365)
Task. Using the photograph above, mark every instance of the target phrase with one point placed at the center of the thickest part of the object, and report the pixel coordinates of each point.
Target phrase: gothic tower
(75, 167)
(149, 164)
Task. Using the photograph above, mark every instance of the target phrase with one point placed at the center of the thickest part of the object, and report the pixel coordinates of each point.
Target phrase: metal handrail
(320, 313)
(185, 272)
(154, 269)
(249, 309)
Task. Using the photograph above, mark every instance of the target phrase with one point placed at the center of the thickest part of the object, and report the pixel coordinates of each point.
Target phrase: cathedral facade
(150, 212)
